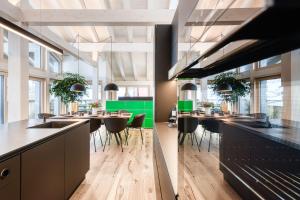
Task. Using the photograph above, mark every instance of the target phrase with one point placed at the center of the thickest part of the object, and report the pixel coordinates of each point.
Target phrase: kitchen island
(261, 163)
(43, 160)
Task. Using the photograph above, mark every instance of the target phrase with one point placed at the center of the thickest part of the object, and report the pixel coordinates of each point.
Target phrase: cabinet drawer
(10, 178)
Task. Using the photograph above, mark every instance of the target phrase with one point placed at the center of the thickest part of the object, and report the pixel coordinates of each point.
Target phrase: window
(132, 91)
(270, 61)
(245, 68)
(34, 55)
(1, 99)
(53, 63)
(84, 104)
(122, 92)
(99, 91)
(54, 103)
(143, 91)
(271, 98)
(212, 97)
(35, 98)
(244, 104)
(199, 93)
(5, 44)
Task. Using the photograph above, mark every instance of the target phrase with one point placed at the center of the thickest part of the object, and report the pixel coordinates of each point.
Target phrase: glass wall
(132, 91)
(143, 91)
(270, 61)
(1, 99)
(35, 98)
(34, 55)
(271, 97)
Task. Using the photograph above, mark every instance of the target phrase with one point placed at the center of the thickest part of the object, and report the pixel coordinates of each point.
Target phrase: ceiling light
(29, 36)
(189, 86)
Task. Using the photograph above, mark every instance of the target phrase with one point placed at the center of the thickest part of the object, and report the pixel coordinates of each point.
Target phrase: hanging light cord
(111, 59)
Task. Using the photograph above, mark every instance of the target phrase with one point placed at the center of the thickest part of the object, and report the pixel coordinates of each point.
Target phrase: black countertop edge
(264, 135)
(59, 131)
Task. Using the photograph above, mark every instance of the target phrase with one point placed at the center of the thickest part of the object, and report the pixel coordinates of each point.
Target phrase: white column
(103, 76)
(18, 76)
(95, 83)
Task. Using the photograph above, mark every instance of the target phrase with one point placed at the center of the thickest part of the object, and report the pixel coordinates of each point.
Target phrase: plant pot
(207, 111)
(95, 111)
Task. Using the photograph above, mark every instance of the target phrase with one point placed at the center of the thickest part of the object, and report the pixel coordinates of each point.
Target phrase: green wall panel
(135, 107)
(185, 106)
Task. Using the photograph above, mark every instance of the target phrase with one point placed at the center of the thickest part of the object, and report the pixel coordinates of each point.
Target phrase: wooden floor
(200, 172)
(118, 175)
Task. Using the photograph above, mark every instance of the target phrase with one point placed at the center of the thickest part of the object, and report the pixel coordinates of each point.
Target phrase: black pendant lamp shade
(189, 86)
(224, 88)
(111, 87)
(77, 87)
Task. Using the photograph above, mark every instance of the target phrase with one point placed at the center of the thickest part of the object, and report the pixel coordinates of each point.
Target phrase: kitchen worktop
(286, 135)
(16, 136)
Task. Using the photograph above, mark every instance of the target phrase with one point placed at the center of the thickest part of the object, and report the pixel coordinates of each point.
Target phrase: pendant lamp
(77, 87)
(111, 86)
(224, 88)
(189, 86)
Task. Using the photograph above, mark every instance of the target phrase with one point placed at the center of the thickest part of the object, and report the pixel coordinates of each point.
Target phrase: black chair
(114, 125)
(212, 126)
(136, 123)
(187, 125)
(45, 115)
(95, 125)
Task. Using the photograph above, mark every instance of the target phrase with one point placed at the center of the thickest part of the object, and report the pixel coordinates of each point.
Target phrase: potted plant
(95, 107)
(239, 87)
(207, 107)
(61, 88)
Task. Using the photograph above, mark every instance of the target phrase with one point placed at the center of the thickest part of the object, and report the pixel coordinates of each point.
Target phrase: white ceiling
(134, 62)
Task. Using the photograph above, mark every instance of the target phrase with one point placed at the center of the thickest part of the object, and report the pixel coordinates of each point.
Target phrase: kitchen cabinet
(43, 171)
(10, 178)
(77, 157)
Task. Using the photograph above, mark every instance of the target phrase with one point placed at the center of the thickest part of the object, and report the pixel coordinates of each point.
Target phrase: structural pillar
(18, 76)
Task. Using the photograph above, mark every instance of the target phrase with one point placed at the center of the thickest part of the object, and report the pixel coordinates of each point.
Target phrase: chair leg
(107, 136)
(192, 139)
(121, 141)
(182, 138)
(94, 141)
(209, 142)
(100, 137)
(142, 135)
(201, 138)
(116, 137)
(196, 141)
(126, 134)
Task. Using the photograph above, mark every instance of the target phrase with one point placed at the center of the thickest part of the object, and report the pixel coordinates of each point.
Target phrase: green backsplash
(135, 107)
(185, 106)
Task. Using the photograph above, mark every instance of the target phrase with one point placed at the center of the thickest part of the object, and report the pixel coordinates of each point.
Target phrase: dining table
(98, 116)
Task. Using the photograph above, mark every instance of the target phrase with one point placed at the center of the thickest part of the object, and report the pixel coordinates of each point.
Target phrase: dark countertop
(286, 135)
(16, 136)
(169, 144)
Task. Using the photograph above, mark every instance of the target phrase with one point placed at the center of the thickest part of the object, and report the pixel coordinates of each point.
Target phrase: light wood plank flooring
(200, 172)
(118, 175)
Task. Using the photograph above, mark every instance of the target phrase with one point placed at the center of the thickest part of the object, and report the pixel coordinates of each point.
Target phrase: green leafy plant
(96, 104)
(240, 87)
(61, 88)
(205, 104)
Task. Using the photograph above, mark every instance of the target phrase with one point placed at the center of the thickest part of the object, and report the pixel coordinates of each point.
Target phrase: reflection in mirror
(244, 143)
